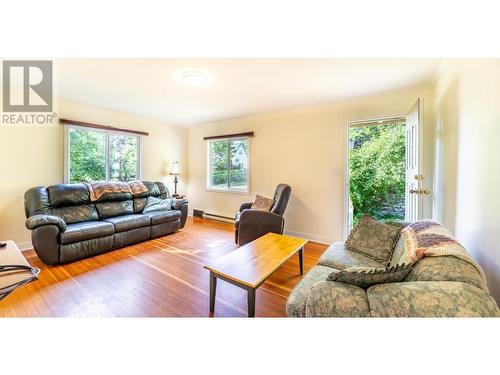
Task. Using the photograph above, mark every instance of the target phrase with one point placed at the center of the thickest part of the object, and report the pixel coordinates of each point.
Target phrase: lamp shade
(175, 168)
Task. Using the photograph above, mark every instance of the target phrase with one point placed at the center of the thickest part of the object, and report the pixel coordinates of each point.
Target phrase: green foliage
(377, 170)
(235, 151)
(88, 156)
(122, 157)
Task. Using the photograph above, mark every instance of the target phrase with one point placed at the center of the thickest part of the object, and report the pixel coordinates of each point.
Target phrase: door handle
(420, 191)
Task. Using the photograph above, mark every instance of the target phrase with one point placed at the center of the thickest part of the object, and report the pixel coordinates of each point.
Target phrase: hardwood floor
(163, 277)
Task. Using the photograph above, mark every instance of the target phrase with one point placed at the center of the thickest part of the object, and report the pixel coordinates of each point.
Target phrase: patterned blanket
(98, 189)
(427, 238)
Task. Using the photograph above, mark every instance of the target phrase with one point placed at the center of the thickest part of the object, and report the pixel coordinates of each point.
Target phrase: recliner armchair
(252, 224)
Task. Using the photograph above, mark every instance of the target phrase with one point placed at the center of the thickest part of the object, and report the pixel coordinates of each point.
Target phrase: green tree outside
(377, 171)
(87, 153)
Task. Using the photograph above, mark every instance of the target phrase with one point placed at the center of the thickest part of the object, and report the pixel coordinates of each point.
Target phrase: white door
(414, 176)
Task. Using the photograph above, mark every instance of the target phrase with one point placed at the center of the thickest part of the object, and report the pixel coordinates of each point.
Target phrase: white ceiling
(236, 87)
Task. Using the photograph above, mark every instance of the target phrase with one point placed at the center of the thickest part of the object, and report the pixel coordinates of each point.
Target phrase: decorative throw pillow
(157, 204)
(262, 203)
(367, 276)
(373, 239)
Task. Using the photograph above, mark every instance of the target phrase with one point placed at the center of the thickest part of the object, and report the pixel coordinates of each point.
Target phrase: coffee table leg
(251, 302)
(213, 286)
(301, 261)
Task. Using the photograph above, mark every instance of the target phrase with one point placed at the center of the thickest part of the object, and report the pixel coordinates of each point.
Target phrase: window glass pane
(218, 164)
(239, 164)
(122, 157)
(87, 155)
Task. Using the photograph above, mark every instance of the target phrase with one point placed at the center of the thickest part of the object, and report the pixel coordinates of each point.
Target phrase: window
(97, 155)
(228, 165)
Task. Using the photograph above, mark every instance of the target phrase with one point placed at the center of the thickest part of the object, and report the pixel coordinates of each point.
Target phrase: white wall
(304, 147)
(467, 98)
(33, 156)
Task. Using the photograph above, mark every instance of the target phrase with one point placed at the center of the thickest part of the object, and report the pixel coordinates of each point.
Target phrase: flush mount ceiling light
(194, 78)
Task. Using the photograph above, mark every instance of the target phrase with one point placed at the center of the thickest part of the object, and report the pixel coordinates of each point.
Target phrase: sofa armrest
(245, 206)
(177, 203)
(182, 206)
(334, 299)
(36, 221)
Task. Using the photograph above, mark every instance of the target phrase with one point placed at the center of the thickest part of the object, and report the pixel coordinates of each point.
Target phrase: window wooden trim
(100, 127)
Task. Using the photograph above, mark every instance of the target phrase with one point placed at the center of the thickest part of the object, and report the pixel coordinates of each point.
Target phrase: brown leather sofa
(252, 224)
(67, 226)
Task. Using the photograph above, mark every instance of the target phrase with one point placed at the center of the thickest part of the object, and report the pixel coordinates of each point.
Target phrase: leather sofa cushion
(153, 190)
(114, 197)
(76, 214)
(131, 237)
(36, 202)
(128, 222)
(139, 204)
(68, 194)
(84, 249)
(158, 217)
(86, 231)
(110, 209)
(157, 204)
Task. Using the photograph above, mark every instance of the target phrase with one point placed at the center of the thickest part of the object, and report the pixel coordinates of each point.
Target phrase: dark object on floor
(198, 213)
(15, 271)
(252, 224)
(67, 226)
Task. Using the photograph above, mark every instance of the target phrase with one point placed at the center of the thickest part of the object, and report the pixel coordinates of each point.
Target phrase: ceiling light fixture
(194, 78)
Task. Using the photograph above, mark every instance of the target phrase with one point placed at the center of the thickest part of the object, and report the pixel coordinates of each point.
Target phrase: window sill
(238, 192)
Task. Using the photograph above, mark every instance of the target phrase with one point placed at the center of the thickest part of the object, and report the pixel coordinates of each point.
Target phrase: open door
(414, 176)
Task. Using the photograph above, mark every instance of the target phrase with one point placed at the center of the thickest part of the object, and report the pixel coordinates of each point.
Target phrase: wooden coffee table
(250, 265)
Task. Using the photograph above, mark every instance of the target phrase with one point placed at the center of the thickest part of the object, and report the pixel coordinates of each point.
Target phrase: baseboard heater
(202, 214)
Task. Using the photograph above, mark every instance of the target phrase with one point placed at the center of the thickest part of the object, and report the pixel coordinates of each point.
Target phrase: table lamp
(175, 171)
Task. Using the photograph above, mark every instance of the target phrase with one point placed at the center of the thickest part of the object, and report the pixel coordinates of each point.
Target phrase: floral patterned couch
(441, 286)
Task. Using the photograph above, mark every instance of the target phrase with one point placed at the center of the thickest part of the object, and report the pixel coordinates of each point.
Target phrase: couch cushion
(128, 222)
(157, 204)
(296, 303)
(110, 209)
(332, 299)
(86, 231)
(36, 202)
(152, 190)
(373, 239)
(445, 268)
(68, 194)
(76, 214)
(430, 299)
(139, 204)
(158, 217)
(337, 256)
